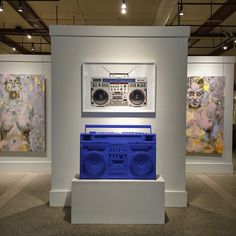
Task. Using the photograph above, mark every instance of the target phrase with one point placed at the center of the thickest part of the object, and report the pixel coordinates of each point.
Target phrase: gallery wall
(215, 67)
(164, 46)
(18, 159)
(200, 66)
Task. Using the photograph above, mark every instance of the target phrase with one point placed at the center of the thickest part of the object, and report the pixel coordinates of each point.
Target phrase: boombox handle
(119, 74)
(119, 126)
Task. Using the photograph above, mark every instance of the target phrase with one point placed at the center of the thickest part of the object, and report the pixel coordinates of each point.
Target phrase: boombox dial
(118, 92)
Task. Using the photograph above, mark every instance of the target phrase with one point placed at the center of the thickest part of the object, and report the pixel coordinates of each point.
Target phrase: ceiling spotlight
(123, 11)
(1, 6)
(181, 13)
(225, 47)
(235, 41)
(14, 49)
(181, 9)
(29, 36)
(32, 47)
(123, 7)
(20, 8)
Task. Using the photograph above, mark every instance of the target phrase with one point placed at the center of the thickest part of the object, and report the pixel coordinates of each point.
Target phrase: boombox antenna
(132, 69)
(106, 69)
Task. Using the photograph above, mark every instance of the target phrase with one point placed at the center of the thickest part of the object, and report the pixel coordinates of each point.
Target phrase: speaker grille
(141, 165)
(100, 97)
(137, 97)
(94, 164)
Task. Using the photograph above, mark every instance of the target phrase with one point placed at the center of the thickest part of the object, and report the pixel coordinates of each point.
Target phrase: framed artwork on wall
(118, 88)
(22, 113)
(205, 115)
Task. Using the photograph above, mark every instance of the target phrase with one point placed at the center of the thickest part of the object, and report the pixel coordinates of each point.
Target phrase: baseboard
(175, 198)
(60, 198)
(208, 168)
(25, 166)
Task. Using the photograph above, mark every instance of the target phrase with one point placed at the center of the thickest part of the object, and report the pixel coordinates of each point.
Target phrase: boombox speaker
(117, 155)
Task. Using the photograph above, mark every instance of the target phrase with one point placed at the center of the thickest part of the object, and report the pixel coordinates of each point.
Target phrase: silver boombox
(118, 92)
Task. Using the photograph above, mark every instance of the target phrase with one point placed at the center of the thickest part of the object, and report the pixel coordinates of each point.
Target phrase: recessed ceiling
(213, 23)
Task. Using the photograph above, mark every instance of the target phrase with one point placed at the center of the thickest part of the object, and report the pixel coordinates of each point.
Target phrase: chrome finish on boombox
(118, 92)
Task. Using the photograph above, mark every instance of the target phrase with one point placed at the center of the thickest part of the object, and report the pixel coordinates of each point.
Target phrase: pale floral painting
(22, 112)
(205, 114)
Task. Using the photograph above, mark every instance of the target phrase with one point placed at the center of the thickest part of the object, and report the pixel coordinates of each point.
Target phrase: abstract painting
(22, 112)
(205, 114)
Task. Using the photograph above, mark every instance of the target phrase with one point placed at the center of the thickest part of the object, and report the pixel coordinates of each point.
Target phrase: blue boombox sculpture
(117, 155)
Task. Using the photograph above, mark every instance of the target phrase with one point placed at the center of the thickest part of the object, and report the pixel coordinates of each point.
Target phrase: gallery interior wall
(71, 47)
(211, 66)
(28, 64)
(215, 66)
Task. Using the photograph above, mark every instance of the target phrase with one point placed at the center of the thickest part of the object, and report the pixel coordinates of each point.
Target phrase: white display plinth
(118, 201)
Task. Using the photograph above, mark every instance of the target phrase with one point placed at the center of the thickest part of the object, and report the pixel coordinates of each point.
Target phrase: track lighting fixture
(1, 6)
(181, 13)
(225, 47)
(32, 47)
(29, 36)
(123, 7)
(20, 8)
(181, 9)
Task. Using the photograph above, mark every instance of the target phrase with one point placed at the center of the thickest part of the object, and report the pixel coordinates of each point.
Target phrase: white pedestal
(118, 201)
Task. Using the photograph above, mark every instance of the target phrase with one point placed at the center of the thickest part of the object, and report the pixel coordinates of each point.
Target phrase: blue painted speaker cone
(141, 165)
(94, 164)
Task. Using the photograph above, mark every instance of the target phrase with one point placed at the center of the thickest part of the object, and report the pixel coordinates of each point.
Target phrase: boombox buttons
(118, 92)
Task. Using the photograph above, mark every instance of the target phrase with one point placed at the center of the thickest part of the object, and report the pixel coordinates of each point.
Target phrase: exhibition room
(118, 117)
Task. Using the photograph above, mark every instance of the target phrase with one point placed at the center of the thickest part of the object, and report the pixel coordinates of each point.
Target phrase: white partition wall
(74, 45)
(215, 66)
(28, 64)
